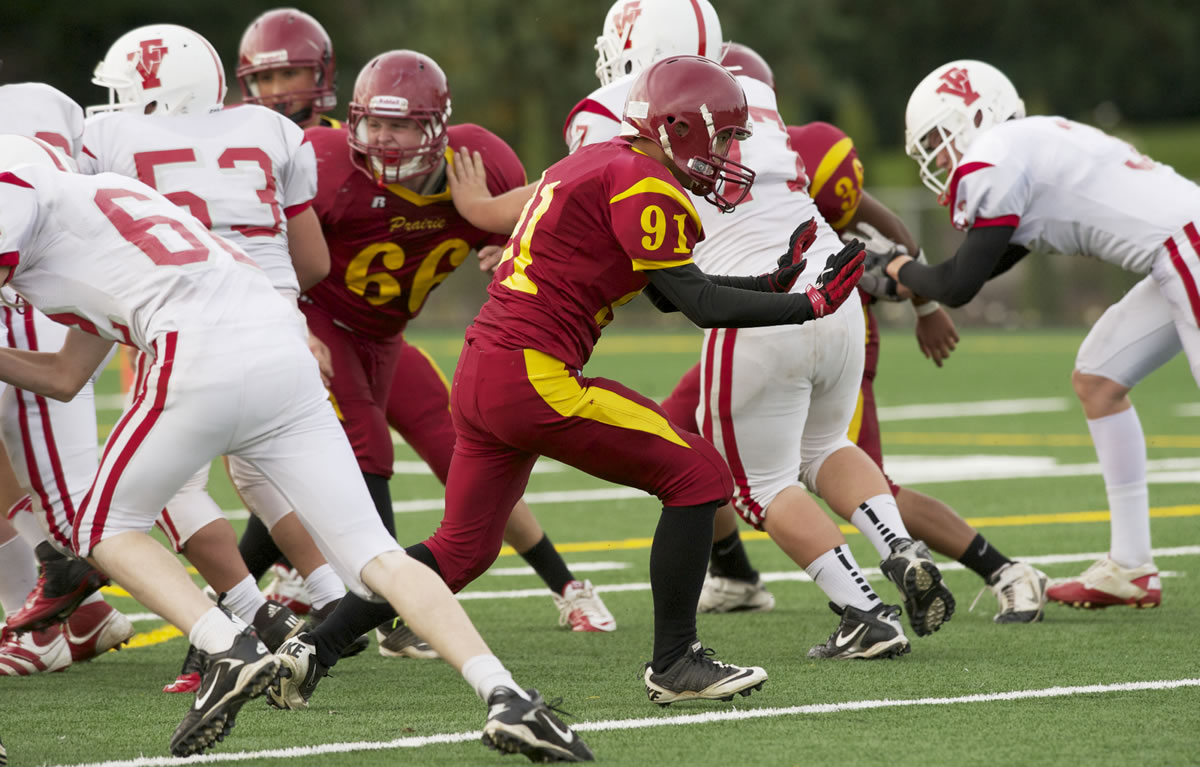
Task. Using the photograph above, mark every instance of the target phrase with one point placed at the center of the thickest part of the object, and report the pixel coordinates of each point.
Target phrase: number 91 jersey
(390, 247)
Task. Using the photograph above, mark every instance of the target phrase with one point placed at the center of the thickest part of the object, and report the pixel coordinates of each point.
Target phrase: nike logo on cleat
(844, 640)
(566, 734)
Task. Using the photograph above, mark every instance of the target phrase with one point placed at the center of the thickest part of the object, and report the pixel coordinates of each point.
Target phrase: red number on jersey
(798, 183)
(145, 162)
(139, 231)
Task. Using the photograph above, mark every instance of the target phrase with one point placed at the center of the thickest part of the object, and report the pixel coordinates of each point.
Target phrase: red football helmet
(282, 39)
(400, 85)
(743, 60)
(693, 109)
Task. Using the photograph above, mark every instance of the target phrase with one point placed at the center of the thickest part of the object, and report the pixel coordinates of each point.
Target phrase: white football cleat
(1106, 583)
(580, 608)
(727, 595)
(1020, 590)
(33, 652)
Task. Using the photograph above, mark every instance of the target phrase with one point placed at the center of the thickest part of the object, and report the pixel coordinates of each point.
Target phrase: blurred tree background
(1128, 66)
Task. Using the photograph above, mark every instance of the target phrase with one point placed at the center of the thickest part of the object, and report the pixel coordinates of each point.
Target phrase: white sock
(323, 586)
(878, 518)
(838, 575)
(485, 673)
(1121, 448)
(31, 530)
(92, 598)
(214, 632)
(18, 573)
(244, 599)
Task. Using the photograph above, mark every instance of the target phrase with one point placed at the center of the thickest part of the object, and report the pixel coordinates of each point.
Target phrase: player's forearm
(873, 212)
(957, 280)
(710, 305)
(307, 246)
(496, 214)
(44, 373)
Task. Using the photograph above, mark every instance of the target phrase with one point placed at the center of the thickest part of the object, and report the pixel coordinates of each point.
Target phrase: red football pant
(510, 406)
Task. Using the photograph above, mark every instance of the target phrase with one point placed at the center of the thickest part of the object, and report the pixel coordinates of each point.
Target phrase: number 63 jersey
(389, 246)
(242, 172)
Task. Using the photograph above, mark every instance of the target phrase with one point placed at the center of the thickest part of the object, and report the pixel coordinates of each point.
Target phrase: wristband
(927, 308)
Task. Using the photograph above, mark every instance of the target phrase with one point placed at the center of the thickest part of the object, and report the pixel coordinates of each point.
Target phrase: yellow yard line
(166, 632)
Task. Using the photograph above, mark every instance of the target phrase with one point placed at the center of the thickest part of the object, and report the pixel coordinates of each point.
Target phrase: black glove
(792, 263)
(837, 280)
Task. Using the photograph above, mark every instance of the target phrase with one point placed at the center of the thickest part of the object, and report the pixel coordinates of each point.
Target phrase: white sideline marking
(905, 469)
(576, 567)
(658, 721)
(971, 409)
(870, 572)
(1190, 409)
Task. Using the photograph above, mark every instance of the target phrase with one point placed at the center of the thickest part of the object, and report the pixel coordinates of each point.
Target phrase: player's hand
(842, 272)
(792, 262)
(880, 251)
(467, 178)
(489, 257)
(324, 359)
(936, 335)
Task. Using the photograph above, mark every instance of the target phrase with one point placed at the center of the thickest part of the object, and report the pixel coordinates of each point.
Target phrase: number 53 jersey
(389, 246)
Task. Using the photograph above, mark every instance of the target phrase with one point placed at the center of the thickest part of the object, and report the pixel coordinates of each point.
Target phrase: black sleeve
(659, 300)
(712, 305)
(956, 280)
(1010, 258)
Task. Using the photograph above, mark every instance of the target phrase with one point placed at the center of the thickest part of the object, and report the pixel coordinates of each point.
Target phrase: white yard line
(611, 725)
(973, 409)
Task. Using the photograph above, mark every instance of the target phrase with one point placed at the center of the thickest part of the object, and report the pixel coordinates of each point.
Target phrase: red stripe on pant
(742, 501)
(168, 527)
(1185, 272)
(165, 361)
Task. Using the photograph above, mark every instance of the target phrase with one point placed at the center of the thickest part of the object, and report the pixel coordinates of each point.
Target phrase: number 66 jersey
(390, 247)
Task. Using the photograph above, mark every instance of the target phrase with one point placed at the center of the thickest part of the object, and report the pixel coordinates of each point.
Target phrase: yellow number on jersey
(517, 280)
(358, 278)
(653, 223)
(428, 277)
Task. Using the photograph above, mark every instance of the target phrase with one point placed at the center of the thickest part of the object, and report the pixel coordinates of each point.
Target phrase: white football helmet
(26, 150)
(167, 64)
(955, 103)
(638, 33)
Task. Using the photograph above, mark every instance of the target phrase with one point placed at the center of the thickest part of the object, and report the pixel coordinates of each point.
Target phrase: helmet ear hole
(978, 117)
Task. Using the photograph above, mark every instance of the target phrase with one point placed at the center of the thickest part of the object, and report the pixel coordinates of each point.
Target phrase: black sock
(981, 557)
(678, 559)
(352, 618)
(548, 564)
(377, 486)
(729, 559)
(422, 554)
(258, 549)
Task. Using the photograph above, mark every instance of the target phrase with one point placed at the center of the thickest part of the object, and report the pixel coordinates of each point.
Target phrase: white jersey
(1069, 188)
(243, 172)
(44, 112)
(751, 238)
(112, 256)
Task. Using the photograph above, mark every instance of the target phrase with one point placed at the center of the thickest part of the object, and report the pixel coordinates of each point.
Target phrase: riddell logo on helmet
(956, 83)
(148, 60)
(270, 57)
(385, 105)
(628, 14)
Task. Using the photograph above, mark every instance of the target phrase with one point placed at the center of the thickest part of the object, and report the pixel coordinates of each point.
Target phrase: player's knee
(1099, 396)
(810, 467)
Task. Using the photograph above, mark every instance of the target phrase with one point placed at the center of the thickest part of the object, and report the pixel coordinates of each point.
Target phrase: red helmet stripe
(700, 27)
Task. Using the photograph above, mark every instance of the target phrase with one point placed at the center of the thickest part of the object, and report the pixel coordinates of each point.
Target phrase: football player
(395, 236)
(53, 450)
(1018, 184)
(835, 184)
(520, 391)
(248, 174)
(286, 62)
(118, 260)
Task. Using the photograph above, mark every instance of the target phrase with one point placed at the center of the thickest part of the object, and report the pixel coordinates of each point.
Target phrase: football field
(997, 434)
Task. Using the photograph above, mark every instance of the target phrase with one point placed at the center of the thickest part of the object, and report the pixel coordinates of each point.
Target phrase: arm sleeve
(956, 280)
(710, 305)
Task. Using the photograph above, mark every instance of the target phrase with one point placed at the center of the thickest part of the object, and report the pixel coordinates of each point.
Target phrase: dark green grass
(112, 709)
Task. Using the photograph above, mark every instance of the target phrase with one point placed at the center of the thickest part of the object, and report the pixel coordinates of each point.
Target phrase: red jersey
(834, 171)
(388, 246)
(599, 219)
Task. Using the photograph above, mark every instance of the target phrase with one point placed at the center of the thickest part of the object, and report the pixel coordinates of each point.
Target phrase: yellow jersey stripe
(645, 264)
(562, 392)
(652, 185)
(829, 163)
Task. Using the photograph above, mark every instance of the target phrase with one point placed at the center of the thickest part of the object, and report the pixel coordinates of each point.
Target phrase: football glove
(791, 264)
(879, 253)
(837, 280)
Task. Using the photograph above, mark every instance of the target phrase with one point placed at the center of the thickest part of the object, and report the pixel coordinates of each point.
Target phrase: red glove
(837, 280)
